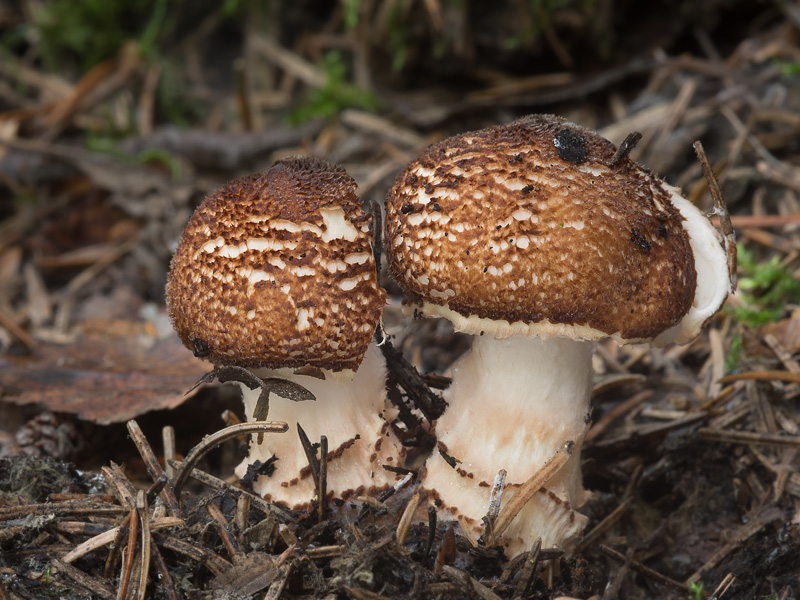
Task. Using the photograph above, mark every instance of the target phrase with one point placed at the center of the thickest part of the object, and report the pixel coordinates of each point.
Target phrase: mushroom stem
(352, 414)
(513, 403)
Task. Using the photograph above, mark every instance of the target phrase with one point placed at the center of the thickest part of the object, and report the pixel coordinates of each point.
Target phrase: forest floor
(106, 148)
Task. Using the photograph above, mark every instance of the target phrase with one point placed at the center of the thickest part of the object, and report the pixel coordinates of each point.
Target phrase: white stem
(354, 417)
(512, 404)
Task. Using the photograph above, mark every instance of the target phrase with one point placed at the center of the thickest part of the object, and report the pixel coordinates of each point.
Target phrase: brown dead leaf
(786, 331)
(114, 371)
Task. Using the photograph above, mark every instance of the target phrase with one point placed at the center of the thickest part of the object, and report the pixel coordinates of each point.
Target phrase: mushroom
(275, 273)
(538, 238)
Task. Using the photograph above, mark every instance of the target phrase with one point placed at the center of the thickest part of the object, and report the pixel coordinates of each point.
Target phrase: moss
(35, 478)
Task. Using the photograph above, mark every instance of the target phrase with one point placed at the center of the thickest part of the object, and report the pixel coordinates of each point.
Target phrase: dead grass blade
(87, 583)
(749, 437)
(144, 564)
(214, 440)
(530, 487)
(786, 376)
(406, 518)
(153, 466)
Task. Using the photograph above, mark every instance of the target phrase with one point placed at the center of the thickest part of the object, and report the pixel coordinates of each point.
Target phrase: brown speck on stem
(448, 459)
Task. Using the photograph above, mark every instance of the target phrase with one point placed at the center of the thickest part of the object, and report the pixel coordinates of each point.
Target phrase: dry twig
(647, 571)
(721, 210)
(212, 441)
(526, 491)
(153, 466)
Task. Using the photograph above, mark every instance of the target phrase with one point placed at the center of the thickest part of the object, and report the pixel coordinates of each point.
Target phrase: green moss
(70, 37)
(765, 288)
(337, 93)
(90, 31)
(109, 146)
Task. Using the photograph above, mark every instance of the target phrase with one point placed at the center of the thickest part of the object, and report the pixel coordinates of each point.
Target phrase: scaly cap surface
(276, 270)
(530, 228)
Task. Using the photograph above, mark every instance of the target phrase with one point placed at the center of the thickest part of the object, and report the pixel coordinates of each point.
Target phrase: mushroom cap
(276, 270)
(530, 228)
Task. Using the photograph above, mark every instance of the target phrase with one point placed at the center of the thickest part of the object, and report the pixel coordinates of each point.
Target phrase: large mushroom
(275, 273)
(538, 238)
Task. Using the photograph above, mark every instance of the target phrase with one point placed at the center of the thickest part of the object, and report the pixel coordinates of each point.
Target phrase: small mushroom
(275, 273)
(538, 238)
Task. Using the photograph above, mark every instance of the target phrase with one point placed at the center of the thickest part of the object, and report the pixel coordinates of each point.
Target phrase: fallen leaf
(113, 371)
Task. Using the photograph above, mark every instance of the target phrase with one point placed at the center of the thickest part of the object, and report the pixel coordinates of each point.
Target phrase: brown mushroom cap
(276, 270)
(532, 224)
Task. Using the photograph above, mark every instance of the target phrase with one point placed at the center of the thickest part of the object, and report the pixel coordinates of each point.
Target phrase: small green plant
(696, 588)
(351, 13)
(109, 146)
(93, 30)
(335, 95)
(765, 288)
(789, 69)
(540, 16)
(734, 353)
(70, 37)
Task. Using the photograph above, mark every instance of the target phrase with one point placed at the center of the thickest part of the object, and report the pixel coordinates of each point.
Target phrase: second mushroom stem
(513, 405)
